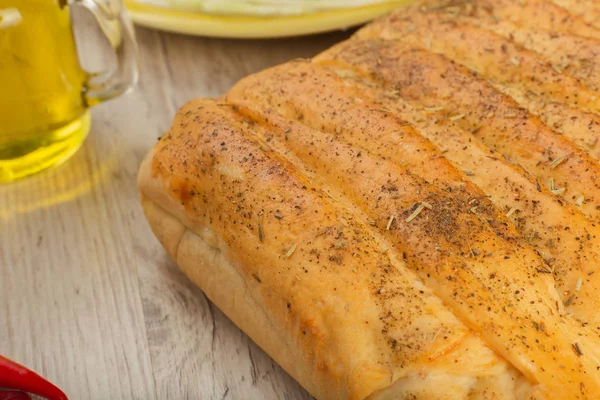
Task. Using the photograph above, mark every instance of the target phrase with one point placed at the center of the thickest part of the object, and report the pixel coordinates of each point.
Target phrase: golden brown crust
(541, 14)
(433, 243)
(587, 10)
(555, 229)
(207, 267)
(566, 52)
(504, 62)
(318, 300)
(355, 248)
(449, 90)
(236, 168)
(545, 89)
(572, 54)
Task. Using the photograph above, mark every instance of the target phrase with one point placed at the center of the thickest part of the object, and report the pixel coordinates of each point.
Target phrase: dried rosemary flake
(340, 245)
(569, 300)
(578, 286)
(510, 115)
(324, 231)
(557, 162)
(427, 205)
(456, 117)
(551, 184)
(511, 211)
(390, 221)
(290, 251)
(433, 109)
(469, 173)
(471, 250)
(473, 209)
(515, 61)
(260, 232)
(278, 216)
(415, 213)
(580, 200)
(490, 114)
(577, 349)
(547, 269)
(558, 191)
(557, 68)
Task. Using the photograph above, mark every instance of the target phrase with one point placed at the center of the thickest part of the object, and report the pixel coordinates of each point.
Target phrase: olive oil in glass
(43, 116)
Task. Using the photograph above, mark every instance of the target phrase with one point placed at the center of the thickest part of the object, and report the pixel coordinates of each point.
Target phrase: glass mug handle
(114, 22)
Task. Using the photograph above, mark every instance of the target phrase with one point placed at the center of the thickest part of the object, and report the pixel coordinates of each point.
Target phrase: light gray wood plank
(70, 296)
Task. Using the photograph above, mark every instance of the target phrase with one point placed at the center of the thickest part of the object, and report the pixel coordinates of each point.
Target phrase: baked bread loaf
(410, 215)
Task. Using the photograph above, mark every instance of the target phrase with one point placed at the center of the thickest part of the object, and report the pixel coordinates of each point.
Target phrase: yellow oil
(43, 116)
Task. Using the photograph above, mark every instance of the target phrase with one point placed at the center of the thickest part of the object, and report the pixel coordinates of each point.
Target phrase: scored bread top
(404, 233)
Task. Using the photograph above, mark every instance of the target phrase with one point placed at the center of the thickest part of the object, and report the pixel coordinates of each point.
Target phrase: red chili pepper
(17, 377)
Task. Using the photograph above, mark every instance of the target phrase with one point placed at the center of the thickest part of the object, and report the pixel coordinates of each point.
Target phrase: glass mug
(44, 92)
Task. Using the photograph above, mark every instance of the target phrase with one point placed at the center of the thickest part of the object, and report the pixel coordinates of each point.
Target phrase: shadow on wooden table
(60, 184)
(190, 339)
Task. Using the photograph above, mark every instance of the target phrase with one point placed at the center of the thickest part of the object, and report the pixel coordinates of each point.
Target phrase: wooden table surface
(88, 297)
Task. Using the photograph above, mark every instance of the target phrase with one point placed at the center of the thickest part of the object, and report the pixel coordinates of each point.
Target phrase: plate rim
(255, 27)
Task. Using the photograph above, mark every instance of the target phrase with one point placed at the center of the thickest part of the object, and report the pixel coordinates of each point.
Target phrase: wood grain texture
(88, 297)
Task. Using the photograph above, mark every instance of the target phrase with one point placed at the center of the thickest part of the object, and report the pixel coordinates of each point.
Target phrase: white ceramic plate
(256, 24)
